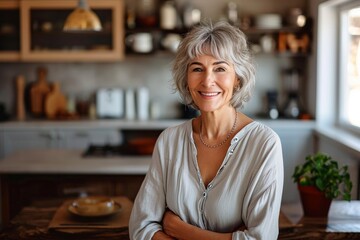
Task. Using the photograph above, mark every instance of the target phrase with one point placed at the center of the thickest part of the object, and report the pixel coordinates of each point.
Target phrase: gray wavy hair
(222, 41)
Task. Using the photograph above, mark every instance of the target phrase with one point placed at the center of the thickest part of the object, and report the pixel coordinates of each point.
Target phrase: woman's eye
(196, 69)
(220, 69)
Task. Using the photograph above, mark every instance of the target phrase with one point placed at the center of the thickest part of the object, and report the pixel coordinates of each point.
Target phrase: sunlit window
(350, 82)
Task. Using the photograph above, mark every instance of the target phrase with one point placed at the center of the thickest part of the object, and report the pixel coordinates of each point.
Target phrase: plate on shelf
(94, 207)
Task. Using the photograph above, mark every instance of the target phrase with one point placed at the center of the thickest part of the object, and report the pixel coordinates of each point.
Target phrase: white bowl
(268, 21)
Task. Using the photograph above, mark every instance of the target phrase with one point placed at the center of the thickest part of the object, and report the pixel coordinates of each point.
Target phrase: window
(349, 78)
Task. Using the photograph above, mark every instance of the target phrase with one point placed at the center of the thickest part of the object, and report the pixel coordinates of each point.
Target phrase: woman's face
(211, 82)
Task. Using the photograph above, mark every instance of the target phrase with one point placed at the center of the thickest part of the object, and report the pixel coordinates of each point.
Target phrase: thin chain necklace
(224, 141)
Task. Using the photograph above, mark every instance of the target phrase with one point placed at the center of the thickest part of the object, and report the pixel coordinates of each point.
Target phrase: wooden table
(343, 223)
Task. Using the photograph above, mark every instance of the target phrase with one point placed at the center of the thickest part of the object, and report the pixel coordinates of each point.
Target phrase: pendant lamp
(82, 19)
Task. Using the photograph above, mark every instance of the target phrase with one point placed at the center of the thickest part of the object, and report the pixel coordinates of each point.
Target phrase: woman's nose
(208, 79)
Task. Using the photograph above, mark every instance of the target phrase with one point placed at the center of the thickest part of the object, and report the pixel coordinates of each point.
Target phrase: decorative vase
(314, 202)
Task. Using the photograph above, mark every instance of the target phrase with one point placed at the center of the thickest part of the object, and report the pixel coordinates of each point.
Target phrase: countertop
(56, 161)
(135, 124)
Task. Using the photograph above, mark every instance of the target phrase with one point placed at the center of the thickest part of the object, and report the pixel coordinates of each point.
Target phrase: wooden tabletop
(343, 223)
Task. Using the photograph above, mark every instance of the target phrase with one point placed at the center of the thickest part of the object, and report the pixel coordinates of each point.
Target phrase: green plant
(323, 172)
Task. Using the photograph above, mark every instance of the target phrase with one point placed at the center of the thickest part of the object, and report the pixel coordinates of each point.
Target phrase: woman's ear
(237, 85)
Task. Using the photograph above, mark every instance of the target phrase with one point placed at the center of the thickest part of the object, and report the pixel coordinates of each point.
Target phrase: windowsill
(344, 139)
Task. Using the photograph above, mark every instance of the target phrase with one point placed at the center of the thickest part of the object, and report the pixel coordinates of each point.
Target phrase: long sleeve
(149, 205)
(247, 189)
(264, 195)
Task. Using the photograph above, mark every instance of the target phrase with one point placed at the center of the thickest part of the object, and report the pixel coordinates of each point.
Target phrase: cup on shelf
(140, 42)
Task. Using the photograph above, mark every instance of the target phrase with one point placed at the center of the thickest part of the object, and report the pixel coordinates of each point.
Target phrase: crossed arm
(175, 228)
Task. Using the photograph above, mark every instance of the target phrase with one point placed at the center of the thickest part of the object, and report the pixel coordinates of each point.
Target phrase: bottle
(142, 103)
(130, 104)
(191, 15)
(232, 13)
(168, 15)
(146, 13)
(272, 109)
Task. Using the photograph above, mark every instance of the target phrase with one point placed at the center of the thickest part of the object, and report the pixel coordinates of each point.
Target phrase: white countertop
(134, 124)
(56, 161)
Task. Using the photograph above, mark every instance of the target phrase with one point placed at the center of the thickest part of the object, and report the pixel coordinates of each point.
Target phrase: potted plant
(319, 181)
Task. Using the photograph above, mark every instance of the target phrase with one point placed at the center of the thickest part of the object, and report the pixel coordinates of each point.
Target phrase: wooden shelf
(39, 25)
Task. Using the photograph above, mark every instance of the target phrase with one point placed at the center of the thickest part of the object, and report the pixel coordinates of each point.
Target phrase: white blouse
(246, 190)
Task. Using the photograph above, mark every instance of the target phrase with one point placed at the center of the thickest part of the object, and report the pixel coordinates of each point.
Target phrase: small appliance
(110, 103)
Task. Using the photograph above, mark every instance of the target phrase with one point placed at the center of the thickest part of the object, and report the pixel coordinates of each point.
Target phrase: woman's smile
(211, 82)
(209, 94)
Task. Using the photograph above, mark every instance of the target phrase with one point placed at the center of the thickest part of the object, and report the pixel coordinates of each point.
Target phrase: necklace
(224, 141)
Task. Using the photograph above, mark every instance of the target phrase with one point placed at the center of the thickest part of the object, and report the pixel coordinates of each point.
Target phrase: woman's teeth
(209, 94)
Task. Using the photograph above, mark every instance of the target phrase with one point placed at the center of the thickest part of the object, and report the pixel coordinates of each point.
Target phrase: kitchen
(81, 80)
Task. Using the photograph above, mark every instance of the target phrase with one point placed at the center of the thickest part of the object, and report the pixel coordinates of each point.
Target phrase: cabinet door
(81, 139)
(9, 31)
(19, 140)
(2, 150)
(43, 37)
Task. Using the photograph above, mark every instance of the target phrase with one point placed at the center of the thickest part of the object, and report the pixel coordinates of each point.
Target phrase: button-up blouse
(246, 190)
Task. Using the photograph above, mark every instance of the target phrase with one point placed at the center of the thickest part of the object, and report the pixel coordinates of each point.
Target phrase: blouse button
(210, 185)
(204, 194)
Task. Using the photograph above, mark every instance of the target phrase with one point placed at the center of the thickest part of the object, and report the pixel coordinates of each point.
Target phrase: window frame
(343, 41)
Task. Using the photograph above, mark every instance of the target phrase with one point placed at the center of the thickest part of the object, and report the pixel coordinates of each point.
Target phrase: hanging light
(82, 19)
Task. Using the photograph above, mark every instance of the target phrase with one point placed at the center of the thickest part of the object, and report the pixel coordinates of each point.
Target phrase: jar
(146, 13)
(168, 15)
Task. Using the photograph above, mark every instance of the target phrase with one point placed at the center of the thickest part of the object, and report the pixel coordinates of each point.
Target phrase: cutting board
(55, 102)
(20, 90)
(38, 92)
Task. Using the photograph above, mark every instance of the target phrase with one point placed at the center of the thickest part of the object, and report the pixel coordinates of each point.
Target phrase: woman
(220, 175)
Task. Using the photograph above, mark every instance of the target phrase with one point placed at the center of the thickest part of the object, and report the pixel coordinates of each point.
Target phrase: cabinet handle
(60, 136)
(49, 135)
(80, 191)
(82, 134)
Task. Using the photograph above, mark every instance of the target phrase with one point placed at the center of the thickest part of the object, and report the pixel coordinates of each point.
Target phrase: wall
(82, 79)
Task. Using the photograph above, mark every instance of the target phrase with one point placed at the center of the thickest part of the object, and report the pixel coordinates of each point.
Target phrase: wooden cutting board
(55, 102)
(38, 92)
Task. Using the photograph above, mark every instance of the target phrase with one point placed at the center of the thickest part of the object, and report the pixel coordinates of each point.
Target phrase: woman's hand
(171, 223)
(176, 228)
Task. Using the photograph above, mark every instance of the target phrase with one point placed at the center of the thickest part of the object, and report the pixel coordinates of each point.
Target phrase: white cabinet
(28, 139)
(25, 139)
(81, 139)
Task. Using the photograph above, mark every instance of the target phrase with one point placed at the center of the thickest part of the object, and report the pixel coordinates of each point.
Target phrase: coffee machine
(291, 81)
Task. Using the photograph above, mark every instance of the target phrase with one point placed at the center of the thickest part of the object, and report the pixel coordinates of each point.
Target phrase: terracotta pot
(314, 202)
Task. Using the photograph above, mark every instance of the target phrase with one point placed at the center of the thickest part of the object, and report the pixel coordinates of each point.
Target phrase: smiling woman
(211, 82)
(219, 175)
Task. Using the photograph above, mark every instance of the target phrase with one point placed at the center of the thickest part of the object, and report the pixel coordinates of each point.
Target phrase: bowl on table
(94, 206)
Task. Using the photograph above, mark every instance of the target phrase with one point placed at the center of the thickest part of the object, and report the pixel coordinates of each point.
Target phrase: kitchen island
(60, 161)
(33, 175)
(342, 223)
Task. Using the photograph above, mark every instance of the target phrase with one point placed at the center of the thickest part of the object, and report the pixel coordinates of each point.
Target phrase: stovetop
(108, 151)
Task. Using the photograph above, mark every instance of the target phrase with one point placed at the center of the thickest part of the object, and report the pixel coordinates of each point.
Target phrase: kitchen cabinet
(25, 139)
(40, 23)
(2, 150)
(9, 31)
(43, 38)
(19, 190)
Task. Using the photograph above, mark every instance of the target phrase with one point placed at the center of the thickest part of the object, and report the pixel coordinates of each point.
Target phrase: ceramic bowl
(96, 205)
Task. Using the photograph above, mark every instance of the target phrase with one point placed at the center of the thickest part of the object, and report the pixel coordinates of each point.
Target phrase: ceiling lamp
(82, 19)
